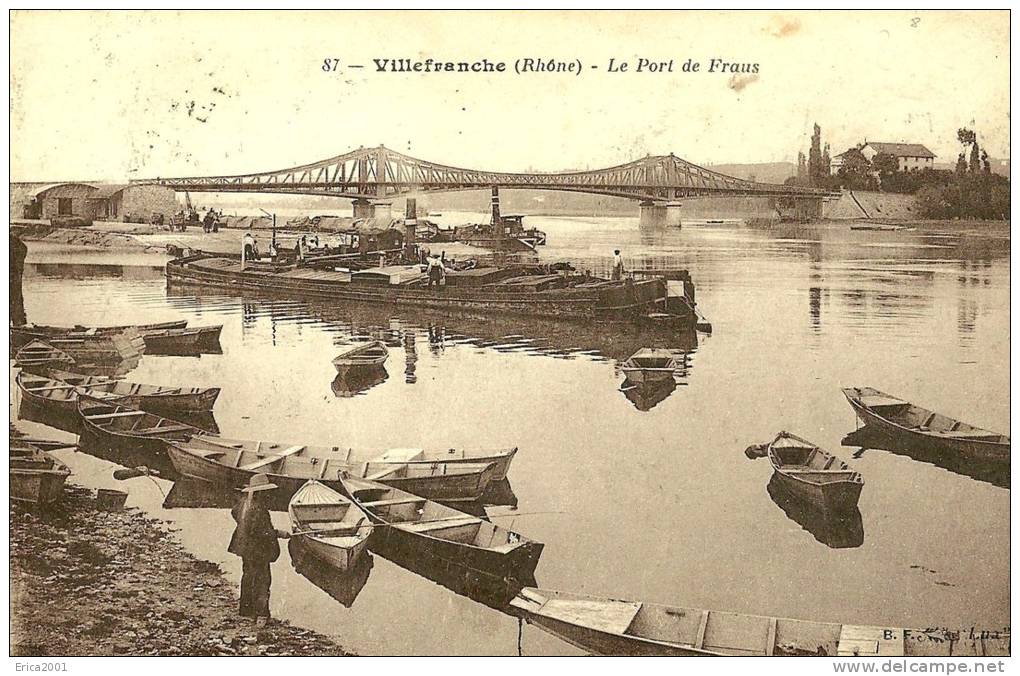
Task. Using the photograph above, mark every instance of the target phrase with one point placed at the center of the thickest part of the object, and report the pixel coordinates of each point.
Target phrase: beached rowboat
(58, 393)
(333, 528)
(37, 354)
(36, 477)
(805, 471)
(916, 427)
(232, 462)
(115, 427)
(612, 627)
(409, 522)
(361, 356)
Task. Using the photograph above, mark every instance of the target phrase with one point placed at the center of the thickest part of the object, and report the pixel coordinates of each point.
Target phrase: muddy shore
(89, 582)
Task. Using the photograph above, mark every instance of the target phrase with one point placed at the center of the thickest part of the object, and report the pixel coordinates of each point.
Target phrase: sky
(118, 95)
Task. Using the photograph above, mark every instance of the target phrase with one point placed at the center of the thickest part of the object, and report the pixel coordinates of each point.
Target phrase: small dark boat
(602, 626)
(37, 354)
(231, 462)
(650, 365)
(26, 333)
(36, 477)
(459, 539)
(59, 393)
(184, 341)
(807, 472)
(332, 527)
(368, 355)
(908, 424)
(119, 428)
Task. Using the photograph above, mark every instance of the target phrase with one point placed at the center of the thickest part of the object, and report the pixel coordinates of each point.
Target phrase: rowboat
(331, 526)
(499, 457)
(36, 477)
(837, 530)
(232, 462)
(185, 341)
(59, 393)
(613, 627)
(342, 586)
(913, 426)
(412, 522)
(807, 472)
(100, 348)
(120, 428)
(649, 365)
(362, 356)
(23, 334)
(37, 354)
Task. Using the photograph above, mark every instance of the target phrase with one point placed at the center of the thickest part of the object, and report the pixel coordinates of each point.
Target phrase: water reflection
(647, 395)
(353, 382)
(836, 530)
(344, 586)
(438, 329)
(867, 437)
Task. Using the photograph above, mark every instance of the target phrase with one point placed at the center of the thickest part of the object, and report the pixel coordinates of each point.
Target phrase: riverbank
(86, 582)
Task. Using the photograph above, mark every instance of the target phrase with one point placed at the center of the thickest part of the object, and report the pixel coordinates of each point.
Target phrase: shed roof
(38, 191)
(107, 191)
(901, 149)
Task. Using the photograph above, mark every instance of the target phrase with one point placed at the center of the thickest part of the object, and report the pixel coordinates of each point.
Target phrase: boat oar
(135, 472)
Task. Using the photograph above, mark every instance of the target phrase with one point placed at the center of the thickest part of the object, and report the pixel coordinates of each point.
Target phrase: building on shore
(909, 156)
(98, 201)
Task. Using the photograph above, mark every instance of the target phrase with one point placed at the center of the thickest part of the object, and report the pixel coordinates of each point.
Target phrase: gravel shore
(89, 582)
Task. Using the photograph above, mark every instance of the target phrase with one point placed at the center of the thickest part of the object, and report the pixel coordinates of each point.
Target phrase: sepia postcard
(510, 333)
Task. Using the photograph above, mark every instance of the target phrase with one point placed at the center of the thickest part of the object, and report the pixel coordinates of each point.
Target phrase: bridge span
(370, 176)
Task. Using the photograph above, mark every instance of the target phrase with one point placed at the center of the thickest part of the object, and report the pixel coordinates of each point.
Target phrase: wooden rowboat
(500, 458)
(458, 539)
(59, 392)
(118, 428)
(26, 333)
(362, 356)
(805, 471)
(231, 462)
(184, 341)
(612, 627)
(913, 426)
(332, 527)
(36, 477)
(38, 354)
(649, 365)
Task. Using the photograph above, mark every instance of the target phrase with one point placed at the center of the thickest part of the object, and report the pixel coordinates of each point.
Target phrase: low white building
(910, 156)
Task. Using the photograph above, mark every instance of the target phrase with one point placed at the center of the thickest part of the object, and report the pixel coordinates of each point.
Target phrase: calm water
(657, 504)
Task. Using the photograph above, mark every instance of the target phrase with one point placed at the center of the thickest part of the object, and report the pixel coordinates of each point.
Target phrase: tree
(826, 161)
(986, 162)
(856, 171)
(802, 172)
(961, 163)
(815, 156)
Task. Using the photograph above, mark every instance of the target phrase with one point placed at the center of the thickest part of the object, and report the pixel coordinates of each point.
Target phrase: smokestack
(411, 209)
(496, 220)
(410, 228)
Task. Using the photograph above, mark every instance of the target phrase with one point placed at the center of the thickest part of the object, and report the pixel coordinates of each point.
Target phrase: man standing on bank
(255, 541)
(617, 266)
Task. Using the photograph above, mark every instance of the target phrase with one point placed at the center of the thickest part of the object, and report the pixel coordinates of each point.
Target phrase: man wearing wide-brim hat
(255, 541)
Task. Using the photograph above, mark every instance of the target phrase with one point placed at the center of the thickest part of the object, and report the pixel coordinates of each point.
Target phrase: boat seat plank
(452, 522)
(156, 431)
(393, 502)
(610, 616)
(119, 414)
(270, 459)
(808, 470)
(967, 434)
(873, 400)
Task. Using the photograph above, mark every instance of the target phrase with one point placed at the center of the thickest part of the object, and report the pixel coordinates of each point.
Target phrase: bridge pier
(364, 208)
(660, 214)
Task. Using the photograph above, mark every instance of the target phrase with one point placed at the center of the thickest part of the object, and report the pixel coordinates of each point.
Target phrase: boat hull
(456, 488)
(343, 558)
(184, 341)
(836, 496)
(625, 302)
(978, 450)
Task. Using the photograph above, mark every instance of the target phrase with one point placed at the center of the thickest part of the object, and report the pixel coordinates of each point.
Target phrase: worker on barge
(255, 541)
(435, 270)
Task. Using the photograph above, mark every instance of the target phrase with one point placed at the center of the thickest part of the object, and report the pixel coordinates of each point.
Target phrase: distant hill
(999, 166)
(765, 172)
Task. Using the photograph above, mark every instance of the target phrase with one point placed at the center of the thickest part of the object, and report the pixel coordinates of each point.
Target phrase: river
(648, 498)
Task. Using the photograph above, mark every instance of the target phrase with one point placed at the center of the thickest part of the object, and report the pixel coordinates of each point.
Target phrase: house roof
(901, 149)
(105, 191)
